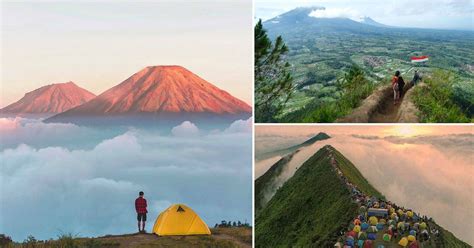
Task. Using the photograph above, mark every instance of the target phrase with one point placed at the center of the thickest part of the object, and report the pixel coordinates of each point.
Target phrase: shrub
(355, 86)
(436, 102)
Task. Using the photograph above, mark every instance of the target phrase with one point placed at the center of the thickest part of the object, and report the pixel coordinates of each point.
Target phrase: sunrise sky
(100, 44)
(376, 130)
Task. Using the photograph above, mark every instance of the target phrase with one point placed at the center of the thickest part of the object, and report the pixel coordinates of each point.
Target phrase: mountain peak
(52, 98)
(369, 21)
(164, 66)
(162, 89)
(323, 134)
(317, 137)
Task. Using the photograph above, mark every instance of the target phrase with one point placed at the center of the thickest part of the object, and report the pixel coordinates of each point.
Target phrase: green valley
(321, 51)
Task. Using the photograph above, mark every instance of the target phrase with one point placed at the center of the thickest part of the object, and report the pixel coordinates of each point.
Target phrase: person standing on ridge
(396, 92)
(140, 207)
(401, 85)
(416, 78)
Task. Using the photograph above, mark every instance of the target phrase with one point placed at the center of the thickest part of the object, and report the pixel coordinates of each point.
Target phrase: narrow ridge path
(388, 112)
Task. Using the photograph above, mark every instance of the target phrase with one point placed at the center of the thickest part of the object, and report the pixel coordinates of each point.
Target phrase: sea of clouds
(433, 174)
(63, 178)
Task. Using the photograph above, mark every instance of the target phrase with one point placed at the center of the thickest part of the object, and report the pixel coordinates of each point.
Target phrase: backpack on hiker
(395, 83)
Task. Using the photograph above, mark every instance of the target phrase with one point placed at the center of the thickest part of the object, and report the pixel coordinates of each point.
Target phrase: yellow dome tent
(180, 219)
(373, 220)
(403, 242)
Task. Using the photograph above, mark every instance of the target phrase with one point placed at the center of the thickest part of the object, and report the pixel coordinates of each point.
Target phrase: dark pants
(400, 88)
(141, 217)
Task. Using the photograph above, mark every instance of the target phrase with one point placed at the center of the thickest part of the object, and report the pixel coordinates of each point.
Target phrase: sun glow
(407, 131)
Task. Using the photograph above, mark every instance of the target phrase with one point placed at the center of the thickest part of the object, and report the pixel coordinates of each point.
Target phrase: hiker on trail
(401, 85)
(416, 78)
(140, 207)
(396, 92)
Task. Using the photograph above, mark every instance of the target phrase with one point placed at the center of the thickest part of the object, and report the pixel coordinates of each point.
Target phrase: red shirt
(140, 205)
(394, 80)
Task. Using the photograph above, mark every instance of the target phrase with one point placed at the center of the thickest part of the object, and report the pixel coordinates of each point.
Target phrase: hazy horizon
(99, 45)
(438, 14)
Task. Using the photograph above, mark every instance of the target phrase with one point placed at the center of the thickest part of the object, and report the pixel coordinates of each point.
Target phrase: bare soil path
(387, 112)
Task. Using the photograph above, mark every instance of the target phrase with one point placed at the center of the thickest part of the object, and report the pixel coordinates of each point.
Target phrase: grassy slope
(221, 237)
(450, 240)
(438, 101)
(354, 175)
(308, 210)
(265, 181)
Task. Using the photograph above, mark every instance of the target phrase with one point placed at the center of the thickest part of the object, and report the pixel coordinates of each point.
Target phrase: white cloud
(8, 124)
(34, 132)
(240, 126)
(90, 190)
(185, 129)
(337, 12)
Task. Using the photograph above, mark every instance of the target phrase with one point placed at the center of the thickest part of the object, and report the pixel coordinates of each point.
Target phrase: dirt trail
(387, 112)
(233, 239)
(379, 108)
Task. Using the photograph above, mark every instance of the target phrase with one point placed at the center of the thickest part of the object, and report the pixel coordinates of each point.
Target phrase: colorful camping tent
(364, 226)
(423, 225)
(403, 242)
(179, 219)
(357, 222)
(373, 220)
(380, 212)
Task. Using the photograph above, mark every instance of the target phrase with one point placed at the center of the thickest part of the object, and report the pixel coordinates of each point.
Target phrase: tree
(354, 78)
(273, 81)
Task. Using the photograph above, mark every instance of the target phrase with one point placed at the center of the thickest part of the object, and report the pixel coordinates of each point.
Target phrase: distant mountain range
(369, 21)
(156, 92)
(311, 207)
(291, 149)
(305, 15)
(50, 99)
(299, 20)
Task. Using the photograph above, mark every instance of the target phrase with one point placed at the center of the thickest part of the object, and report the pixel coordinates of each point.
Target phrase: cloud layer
(47, 190)
(337, 12)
